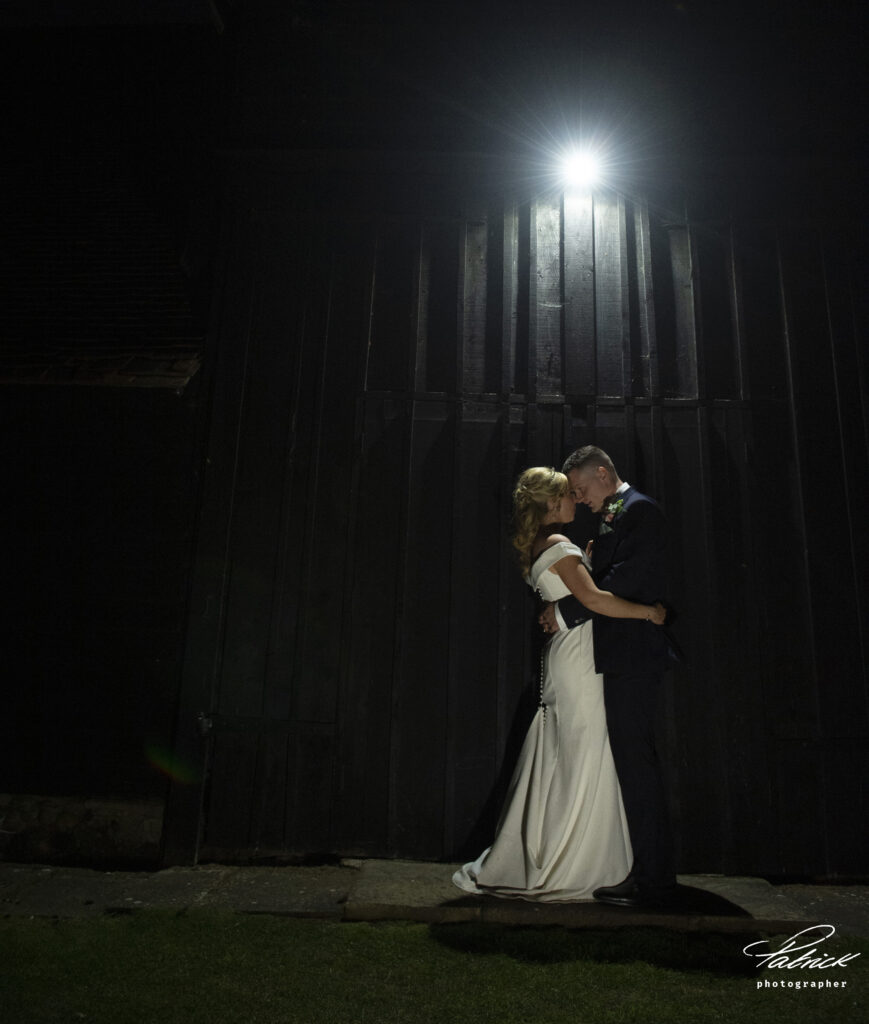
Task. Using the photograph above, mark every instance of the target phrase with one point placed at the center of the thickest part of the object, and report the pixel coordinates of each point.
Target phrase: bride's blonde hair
(534, 490)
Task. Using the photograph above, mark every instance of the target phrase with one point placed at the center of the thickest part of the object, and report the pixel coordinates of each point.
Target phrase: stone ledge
(82, 831)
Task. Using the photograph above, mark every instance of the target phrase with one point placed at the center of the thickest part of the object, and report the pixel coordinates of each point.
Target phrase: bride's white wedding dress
(563, 831)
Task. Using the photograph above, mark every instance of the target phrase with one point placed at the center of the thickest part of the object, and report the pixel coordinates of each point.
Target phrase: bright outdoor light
(581, 168)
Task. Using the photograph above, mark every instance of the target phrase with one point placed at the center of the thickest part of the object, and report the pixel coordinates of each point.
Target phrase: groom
(628, 558)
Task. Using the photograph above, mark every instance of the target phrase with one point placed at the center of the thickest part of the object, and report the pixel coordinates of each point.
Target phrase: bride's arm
(576, 577)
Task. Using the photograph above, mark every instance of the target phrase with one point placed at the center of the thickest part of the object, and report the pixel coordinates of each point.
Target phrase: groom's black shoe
(629, 894)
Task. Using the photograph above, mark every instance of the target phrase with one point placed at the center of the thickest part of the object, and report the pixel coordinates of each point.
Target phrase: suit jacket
(631, 562)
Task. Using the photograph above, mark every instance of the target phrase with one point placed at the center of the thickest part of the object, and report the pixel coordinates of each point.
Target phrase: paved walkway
(379, 890)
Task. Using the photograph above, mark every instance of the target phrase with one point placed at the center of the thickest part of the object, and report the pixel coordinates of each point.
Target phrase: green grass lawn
(205, 966)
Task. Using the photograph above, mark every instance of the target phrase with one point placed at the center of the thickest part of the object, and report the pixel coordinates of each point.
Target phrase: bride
(562, 832)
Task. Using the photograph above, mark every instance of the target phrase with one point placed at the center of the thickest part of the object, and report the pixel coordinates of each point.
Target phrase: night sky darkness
(679, 84)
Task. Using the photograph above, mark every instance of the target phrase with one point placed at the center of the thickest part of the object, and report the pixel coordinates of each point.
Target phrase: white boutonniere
(610, 512)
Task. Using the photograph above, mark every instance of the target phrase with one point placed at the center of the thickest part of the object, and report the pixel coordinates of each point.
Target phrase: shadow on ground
(718, 953)
(687, 900)
(709, 952)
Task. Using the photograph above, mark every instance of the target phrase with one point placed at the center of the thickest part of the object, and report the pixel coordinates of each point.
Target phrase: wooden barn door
(361, 655)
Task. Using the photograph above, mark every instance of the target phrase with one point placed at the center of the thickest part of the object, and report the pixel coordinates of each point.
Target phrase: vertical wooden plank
(847, 325)
(305, 329)
(362, 781)
(202, 662)
(645, 360)
(737, 592)
(274, 359)
(321, 458)
(518, 659)
(735, 289)
(846, 788)
(474, 305)
(519, 641)
(777, 546)
(799, 805)
(580, 376)
(682, 376)
(797, 362)
(704, 593)
(546, 272)
(437, 319)
(711, 245)
(472, 756)
(636, 364)
(393, 331)
(665, 304)
(611, 295)
(653, 477)
(458, 309)
(820, 455)
(526, 304)
(419, 705)
(703, 792)
(759, 300)
(776, 549)
(649, 471)
(420, 304)
(310, 824)
(497, 343)
(512, 378)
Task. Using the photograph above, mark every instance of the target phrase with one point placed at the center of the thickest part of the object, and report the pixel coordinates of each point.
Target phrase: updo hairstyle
(534, 490)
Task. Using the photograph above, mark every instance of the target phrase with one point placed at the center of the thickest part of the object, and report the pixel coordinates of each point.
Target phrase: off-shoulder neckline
(552, 547)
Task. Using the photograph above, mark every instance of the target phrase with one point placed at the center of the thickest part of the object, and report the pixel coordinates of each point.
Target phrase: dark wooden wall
(392, 345)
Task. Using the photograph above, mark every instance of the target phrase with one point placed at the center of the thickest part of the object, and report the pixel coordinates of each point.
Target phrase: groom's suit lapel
(605, 543)
(627, 497)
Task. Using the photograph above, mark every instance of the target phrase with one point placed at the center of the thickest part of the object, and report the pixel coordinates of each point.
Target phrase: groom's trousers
(631, 705)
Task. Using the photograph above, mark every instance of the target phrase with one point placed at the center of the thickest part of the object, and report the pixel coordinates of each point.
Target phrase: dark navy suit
(633, 654)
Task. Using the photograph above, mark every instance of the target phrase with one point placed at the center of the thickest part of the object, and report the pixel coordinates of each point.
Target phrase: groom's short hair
(589, 456)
